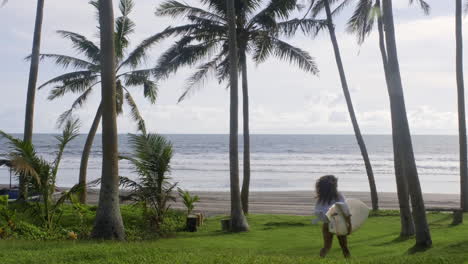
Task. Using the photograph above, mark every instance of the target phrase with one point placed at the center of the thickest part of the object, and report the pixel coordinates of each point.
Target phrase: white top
(321, 208)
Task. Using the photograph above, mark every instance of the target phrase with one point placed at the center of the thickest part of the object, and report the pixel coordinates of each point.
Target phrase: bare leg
(327, 240)
(344, 246)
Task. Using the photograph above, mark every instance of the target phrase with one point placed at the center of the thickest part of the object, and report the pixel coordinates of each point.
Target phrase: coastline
(289, 202)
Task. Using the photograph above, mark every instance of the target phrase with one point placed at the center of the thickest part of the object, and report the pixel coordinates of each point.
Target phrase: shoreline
(288, 202)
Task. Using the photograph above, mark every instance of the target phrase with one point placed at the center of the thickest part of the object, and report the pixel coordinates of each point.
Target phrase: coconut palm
(461, 108)
(32, 81)
(367, 14)
(318, 7)
(203, 43)
(400, 125)
(238, 220)
(108, 223)
(87, 75)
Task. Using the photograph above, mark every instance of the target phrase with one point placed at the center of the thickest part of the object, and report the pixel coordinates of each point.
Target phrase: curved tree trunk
(86, 152)
(400, 124)
(461, 109)
(108, 223)
(406, 219)
(245, 104)
(31, 95)
(349, 103)
(238, 221)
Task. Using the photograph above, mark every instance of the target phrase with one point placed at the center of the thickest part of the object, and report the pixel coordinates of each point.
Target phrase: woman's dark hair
(326, 188)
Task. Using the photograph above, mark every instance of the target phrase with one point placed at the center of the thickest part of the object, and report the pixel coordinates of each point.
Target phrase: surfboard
(336, 215)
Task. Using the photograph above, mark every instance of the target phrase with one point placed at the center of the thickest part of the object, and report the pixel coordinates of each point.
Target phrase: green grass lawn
(272, 239)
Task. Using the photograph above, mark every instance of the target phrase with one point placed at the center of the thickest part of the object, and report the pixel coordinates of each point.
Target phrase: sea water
(278, 162)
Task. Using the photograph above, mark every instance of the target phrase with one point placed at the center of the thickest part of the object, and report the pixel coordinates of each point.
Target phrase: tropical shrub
(188, 200)
(150, 159)
(40, 174)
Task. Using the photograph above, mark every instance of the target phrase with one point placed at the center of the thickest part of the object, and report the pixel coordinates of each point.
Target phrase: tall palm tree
(108, 223)
(87, 75)
(31, 95)
(317, 7)
(366, 15)
(238, 221)
(461, 107)
(203, 43)
(400, 124)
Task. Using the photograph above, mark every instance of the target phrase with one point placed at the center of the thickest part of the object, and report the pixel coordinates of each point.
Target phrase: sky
(283, 99)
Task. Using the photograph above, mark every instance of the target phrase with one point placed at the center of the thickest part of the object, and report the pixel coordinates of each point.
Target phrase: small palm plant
(41, 174)
(151, 159)
(86, 75)
(188, 200)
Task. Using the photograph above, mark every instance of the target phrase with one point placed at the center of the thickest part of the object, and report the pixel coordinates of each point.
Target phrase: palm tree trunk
(30, 99)
(400, 124)
(357, 131)
(461, 109)
(238, 221)
(406, 219)
(245, 104)
(86, 152)
(108, 223)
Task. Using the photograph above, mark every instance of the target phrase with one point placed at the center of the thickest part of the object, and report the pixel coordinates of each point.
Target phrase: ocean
(278, 162)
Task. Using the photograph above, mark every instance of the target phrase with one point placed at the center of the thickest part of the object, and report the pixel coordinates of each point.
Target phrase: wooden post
(192, 223)
(226, 225)
(457, 217)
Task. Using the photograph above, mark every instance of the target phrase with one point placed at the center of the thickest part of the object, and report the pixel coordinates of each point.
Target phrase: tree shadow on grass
(271, 225)
(396, 240)
(417, 249)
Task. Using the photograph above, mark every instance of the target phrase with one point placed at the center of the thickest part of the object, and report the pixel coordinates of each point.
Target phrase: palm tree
(87, 75)
(204, 43)
(400, 124)
(317, 8)
(238, 221)
(108, 223)
(368, 13)
(461, 107)
(31, 95)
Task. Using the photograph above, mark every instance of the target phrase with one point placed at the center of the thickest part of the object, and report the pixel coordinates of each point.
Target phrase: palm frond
(275, 9)
(78, 85)
(70, 132)
(119, 97)
(308, 26)
(135, 113)
(181, 54)
(79, 102)
(124, 26)
(67, 61)
(177, 9)
(82, 44)
(67, 77)
(363, 19)
(423, 4)
(139, 54)
(294, 55)
(201, 74)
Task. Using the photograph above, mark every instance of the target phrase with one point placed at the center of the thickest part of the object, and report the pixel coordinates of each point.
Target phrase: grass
(272, 239)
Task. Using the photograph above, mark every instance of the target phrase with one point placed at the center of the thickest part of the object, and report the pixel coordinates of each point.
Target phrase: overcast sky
(283, 99)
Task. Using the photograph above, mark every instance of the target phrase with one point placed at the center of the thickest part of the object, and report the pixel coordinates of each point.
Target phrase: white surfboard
(336, 215)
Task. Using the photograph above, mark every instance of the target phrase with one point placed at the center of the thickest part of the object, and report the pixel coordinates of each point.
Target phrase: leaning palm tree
(401, 126)
(204, 43)
(108, 223)
(367, 14)
(32, 81)
(461, 108)
(87, 76)
(324, 5)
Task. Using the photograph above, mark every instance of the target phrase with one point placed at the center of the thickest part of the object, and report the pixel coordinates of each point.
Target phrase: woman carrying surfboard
(327, 196)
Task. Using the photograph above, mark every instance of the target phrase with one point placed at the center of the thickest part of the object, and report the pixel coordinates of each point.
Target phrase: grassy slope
(273, 239)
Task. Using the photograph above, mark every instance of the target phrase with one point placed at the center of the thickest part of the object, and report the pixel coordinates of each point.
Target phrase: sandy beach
(292, 203)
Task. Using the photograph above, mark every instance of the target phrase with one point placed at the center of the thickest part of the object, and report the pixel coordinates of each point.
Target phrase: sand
(291, 202)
